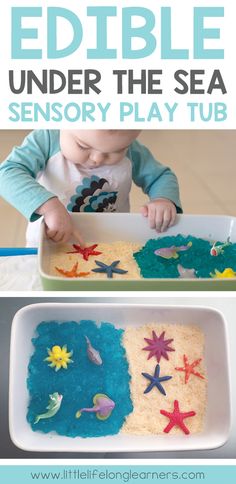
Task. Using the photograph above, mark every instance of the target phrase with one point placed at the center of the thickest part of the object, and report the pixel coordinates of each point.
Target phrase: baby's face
(94, 148)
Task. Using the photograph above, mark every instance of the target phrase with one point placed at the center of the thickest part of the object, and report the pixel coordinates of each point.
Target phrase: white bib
(103, 189)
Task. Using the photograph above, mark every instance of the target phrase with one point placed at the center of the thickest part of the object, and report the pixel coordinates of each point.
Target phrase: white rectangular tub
(218, 417)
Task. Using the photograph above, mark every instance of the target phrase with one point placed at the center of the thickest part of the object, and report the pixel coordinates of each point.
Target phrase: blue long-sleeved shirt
(22, 186)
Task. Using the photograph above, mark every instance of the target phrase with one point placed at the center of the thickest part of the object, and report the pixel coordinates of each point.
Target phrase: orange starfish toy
(73, 272)
(188, 368)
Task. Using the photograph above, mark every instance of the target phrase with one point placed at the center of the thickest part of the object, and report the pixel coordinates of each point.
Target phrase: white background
(182, 38)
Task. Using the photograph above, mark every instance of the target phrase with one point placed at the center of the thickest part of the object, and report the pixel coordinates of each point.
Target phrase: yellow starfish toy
(59, 357)
(226, 274)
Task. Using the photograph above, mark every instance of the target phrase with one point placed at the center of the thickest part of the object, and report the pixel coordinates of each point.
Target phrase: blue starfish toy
(108, 269)
(156, 380)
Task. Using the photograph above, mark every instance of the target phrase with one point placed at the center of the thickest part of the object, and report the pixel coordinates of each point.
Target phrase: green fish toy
(53, 406)
(219, 249)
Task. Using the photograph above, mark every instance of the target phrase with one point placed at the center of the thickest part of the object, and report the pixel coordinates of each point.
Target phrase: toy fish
(186, 273)
(93, 354)
(219, 249)
(53, 406)
(226, 274)
(172, 252)
(103, 407)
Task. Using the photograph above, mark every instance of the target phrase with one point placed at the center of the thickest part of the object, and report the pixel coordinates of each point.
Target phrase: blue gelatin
(81, 380)
(196, 257)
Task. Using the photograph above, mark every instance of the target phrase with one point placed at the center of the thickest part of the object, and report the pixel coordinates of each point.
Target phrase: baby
(56, 172)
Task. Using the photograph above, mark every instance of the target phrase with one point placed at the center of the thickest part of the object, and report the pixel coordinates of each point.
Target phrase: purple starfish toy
(158, 346)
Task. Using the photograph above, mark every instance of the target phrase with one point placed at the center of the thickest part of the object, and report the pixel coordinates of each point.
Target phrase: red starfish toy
(189, 368)
(73, 272)
(158, 346)
(86, 251)
(177, 418)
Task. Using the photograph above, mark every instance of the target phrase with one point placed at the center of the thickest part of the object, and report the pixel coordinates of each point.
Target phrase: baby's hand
(161, 214)
(59, 227)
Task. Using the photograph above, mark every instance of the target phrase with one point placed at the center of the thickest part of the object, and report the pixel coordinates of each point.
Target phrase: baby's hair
(118, 130)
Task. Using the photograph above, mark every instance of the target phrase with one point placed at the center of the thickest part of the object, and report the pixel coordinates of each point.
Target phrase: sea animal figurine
(219, 249)
(103, 407)
(228, 273)
(186, 273)
(177, 418)
(93, 354)
(109, 269)
(59, 357)
(73, 272)
(53, 406)
(85, 251)
(156, 380)
(172, 252)
(158, 346)
(188, 368)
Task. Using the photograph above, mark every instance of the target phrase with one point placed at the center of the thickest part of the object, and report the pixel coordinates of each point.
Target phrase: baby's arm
(18, 185)
(58, 222)
(159, 183)
(18, 174)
